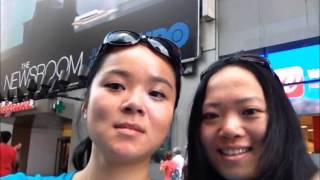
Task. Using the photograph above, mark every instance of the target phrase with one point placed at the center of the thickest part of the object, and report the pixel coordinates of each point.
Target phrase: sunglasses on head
(250, 58)
(129, 38)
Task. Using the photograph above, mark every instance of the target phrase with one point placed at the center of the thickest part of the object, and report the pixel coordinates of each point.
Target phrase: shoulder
(316, 176)
(168, 163)
(7, 148)
(66, 176)
(17, 176)
(165, 162)
(173, 163)
(22, 176)
(178, 158)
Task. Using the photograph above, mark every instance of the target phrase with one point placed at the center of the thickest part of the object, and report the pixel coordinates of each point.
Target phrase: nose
(231, 128)
(133, 103)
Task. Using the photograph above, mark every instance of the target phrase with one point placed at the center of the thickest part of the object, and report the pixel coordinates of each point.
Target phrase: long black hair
(82, 151)
(284, 155)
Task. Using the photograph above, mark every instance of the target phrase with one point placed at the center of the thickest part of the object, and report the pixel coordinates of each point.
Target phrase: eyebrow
(161, 80)
(240, 101)
(248, 99)
(126, 74)
(117, 72)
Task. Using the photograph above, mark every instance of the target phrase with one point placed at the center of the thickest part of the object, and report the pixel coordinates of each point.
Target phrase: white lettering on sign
(15, 77)
(313, 73)
(10, 107)
(40, 71)
(291, 75)
(25, 65)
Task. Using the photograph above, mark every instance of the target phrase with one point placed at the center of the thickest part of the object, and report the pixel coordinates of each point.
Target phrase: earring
(84, 115)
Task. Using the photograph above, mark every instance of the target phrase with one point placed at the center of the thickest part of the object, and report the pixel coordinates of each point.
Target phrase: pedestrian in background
(167, 166)
(9, 155)
(178, 159)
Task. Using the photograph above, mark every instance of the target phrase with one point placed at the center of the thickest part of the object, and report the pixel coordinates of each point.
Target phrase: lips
(235, 151)
(129, 126)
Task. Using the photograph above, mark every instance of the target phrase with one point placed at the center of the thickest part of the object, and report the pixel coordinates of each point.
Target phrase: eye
(157, 94)
(210, 116)
(249, 112)
(114, 86)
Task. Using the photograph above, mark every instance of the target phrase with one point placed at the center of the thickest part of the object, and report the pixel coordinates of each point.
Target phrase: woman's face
(234, 122)
(131, 104)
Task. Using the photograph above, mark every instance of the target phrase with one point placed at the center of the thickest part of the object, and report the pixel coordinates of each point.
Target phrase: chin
(129, 152)
(237, 176)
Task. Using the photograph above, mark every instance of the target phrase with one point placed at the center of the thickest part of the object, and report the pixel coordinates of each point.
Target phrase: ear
(84, 108)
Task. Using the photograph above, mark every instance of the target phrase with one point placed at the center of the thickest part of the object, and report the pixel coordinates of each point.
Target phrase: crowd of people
(242, 125)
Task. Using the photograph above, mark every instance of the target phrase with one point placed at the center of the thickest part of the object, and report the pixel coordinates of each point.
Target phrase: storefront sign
(51, 36)
(59, 106)
(299, 71)
(292, 75)
(9, 107)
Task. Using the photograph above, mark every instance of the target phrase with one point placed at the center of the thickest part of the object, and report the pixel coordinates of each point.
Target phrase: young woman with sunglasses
(242, 126)
(133, 90)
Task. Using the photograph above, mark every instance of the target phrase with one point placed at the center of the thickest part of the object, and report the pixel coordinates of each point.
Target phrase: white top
(179, 160)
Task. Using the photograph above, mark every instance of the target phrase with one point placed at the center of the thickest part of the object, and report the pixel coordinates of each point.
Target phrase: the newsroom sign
(64, 35)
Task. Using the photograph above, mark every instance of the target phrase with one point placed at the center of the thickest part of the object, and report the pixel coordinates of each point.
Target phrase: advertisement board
(299, 71)
(42, 38)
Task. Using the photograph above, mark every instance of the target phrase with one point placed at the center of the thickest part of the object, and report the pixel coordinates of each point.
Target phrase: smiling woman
(234, 109)
(134, 87)
(242, 125)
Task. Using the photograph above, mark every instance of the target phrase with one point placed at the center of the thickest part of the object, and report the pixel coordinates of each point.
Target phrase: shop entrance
(310, 126)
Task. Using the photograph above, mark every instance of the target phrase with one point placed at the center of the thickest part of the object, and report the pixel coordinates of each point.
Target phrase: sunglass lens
(159, 47)
(166, 47)
(122, 38)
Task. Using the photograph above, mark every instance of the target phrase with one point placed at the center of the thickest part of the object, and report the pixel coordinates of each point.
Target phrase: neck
(100, 167)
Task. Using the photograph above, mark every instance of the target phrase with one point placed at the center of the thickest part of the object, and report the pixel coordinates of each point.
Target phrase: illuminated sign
(308, 58)
(299, 71)
(291, 75)
(9, 107)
